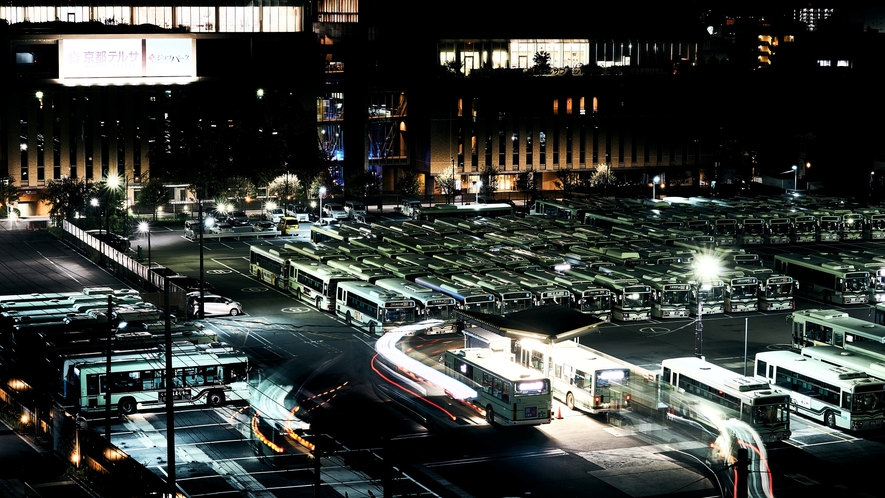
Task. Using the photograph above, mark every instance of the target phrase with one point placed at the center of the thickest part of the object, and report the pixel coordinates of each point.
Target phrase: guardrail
(191, 235)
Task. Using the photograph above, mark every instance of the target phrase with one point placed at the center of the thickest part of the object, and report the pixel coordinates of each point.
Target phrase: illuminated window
(555, 107)
(842, 63)
(568, 105)
(823, 63)
(460, 108)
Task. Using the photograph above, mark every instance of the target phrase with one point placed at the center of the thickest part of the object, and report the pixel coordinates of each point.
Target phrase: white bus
(631, 299)
(429, 304)
(469, 297)
(835, 328)
(827, 279)
(706, 394)
(510, 298)
(671, 298)
(270, 265)
(509, 394)
(741, 291)
(315, 283)
(586, 381)
(371, 307)
(872, 366)
(835, 395)
(776, 290)
(201, 376)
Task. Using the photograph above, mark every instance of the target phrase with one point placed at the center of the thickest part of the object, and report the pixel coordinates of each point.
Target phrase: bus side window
(838, 339)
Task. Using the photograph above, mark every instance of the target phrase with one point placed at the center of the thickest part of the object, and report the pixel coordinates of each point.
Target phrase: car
(299, 212)
(365, 218)
(162, 270)
(190, 284)
(118, 242)
(288, 225)
(354, 208)
(335, 211)
(409, 207)
(238, 218)
(274, 214)
(213, 305)
(264, 226)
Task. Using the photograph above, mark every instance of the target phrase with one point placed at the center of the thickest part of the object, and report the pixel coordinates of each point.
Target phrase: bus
(359, 270)
(804, 229)
(836, 328)
(874, 228)
(671, 298)
(562, 209)
(469, 297)
(741, 291)
(779, 230)
(315, 283)
(210, 376)
(872, 366)
(829, 228)
(509, 298)
(464, 211)
(429, 304)
(307, 250)
(827, 279)
(876, 266)
(776, 290)
(587, 381)
(371, 307)
(270, 265)
(544, 291)
(507, 393)
(631, 299)
(587, 297)
(706, 394)
(835, 395)
(851, 227)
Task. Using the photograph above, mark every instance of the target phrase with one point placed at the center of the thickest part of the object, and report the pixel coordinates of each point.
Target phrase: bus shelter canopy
(548, 324)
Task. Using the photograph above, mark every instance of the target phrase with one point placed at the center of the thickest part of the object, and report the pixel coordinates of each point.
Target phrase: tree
(542, 62)
(566, 180)
(603, 176)
(362, 184)
(66, 198)
(489, 178)
(525, 182)
(238, 188)
(446, 183)
(408, 184)
(8, 195)
(283, 187)
(153, 194)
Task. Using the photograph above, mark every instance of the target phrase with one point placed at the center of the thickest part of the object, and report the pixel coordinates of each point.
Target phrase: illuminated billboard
(126, 59)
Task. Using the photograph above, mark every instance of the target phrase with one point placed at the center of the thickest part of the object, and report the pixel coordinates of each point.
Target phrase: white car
(354, 208)
(334, 211)
(213, 305)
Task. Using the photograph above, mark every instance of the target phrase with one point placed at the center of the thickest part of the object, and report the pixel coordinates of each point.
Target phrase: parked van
(410, 207)
(335, 211)
(274, 214)
(354, 208)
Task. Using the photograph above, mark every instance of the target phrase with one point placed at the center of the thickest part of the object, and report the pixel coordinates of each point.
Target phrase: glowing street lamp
(322, 194)
(145, 227)
(705, 268)
(795, 177)
(654, 183)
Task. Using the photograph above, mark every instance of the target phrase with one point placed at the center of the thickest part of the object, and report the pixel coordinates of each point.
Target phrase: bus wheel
(347, 319)
(127, 406)
(570, 401)
(319, 302)
(830, 419)
(490, 415)
(215, 399)
(828, 298)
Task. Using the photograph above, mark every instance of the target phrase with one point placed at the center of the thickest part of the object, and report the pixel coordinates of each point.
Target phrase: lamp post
(322, 194)
(478, 188)
(453, 179)
(706, 267)
(654, 183)
(145, 227)
(795, 177)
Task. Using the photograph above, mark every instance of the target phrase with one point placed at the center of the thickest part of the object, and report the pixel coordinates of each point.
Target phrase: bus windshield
(676, 297)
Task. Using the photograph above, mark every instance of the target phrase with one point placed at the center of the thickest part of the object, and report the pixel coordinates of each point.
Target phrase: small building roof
(548, 324)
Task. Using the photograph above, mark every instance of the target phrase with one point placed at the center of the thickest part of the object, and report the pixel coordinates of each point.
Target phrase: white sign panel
(125, 58)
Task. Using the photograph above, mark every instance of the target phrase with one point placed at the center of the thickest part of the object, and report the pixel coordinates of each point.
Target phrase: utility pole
(170, 402)
(107, 375)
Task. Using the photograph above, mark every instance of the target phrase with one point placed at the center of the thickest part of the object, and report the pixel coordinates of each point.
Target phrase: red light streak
(422, 398)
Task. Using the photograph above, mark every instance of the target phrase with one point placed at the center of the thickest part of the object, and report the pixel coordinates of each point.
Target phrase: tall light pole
(795, 177)
(478, 188)
(706, 267)
(322, 194)
(453, 179)
(145, 227)
(654, 183)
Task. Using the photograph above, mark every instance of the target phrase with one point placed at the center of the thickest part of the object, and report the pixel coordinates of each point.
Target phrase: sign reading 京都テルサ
(125, 58)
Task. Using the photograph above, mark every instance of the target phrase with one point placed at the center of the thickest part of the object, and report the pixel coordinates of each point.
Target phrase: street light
(145, 227)
(705, 268)
(322, 194)
(478, 188)
(654, 183)
(795, 177)
(453, 179)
